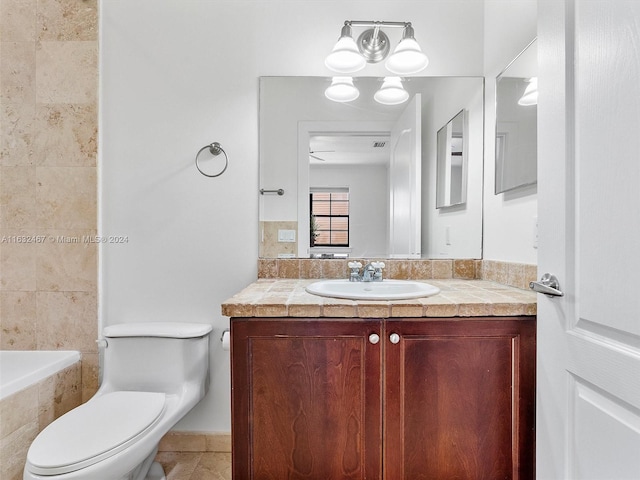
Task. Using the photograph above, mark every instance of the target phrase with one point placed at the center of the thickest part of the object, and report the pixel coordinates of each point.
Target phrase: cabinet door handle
(394, 338)
(374, 338)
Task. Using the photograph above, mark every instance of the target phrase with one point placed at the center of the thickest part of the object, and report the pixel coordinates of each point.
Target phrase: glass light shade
(530, 95)
(407, 58)
(345, 56)
(392, 92)
(342, 90)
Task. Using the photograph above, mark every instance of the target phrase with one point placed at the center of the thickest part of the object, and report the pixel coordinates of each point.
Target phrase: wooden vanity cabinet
(338, 399)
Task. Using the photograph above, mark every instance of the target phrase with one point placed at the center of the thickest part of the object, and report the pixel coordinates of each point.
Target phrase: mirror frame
(507, 142)
(444, 177)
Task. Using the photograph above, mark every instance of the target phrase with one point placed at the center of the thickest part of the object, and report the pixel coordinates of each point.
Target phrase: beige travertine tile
(90, 375)
(398, 269)
(65, 266)
(67, 19)
(17, 72)
(13, 450)
(17, 20)
(59, 394)
(442, 269)
(407, 309)
(289, 268)
(17, 122)
(311, 268)
(334, 269)
(17, 263)
(374, 310)
(183, 442)
(219, 442)
(339, 310)
(18, 197)
(67, 320)
(18, 321)
(273, 309)
(421, 269)
(304, 310)
(66, 135)
(507, 309)
(464, 269)
(178, 465)
(267, 268)
(213, 466)
(474, 309)
(66, 198)
(76, 82)
(515, 275)
(17, 410)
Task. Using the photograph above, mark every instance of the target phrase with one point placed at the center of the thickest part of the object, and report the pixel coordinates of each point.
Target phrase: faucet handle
(377, 275)
(357, 265)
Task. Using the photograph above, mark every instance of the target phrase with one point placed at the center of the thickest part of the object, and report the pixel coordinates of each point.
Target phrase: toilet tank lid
(158, 329)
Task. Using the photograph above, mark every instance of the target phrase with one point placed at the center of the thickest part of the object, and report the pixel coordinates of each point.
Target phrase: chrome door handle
(548, 285)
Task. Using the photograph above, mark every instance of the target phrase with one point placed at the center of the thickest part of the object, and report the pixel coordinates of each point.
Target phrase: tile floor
(196, 465)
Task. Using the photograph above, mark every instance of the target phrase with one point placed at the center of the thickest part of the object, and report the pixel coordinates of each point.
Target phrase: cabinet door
(459, 399)
(306, 399)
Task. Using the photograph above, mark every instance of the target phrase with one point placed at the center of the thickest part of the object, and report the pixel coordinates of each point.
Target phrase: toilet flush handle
(102, 343)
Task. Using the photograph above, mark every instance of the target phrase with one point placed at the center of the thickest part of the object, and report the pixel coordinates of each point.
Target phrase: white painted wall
(510, 25)
(177, 75)
(463, 221)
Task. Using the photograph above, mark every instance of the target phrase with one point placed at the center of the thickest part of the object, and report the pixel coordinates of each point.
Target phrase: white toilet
(154, 373)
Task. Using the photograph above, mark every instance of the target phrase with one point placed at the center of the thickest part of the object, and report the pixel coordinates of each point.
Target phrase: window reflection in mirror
(451, 185)
(516, 122)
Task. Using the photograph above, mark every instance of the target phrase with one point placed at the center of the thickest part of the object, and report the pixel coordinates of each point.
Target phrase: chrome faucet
(372, 272)
(368, 273)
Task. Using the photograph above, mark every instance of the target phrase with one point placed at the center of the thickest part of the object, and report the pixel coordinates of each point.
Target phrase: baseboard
(196, 442)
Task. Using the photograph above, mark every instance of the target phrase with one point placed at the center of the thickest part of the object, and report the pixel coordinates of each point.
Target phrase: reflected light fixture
(342, 90)
(373, 46)
(392, 92)
(530, 95)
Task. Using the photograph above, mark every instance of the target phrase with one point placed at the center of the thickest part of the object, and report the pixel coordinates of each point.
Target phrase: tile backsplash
(513, 274)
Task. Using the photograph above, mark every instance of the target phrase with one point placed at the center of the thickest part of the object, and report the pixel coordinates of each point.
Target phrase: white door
(404, 182)
(588, 405)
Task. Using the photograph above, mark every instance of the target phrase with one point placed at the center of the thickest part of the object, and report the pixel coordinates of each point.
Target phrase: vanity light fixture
(530, 95)
(342, 89)
(372, 46)
(392, 92)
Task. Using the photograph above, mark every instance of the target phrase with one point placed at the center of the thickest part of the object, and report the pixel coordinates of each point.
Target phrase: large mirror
(516, 122)
(358, 179)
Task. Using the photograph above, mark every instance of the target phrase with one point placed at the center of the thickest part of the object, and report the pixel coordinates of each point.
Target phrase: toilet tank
(156, 357)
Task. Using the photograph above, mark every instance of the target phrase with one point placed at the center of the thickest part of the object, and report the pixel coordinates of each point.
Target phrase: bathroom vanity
(434, 388)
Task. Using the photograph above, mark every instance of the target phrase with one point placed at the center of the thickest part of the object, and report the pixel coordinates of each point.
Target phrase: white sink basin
(384, 290)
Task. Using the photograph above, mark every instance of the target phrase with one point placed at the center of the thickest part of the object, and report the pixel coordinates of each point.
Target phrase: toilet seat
(92, 432)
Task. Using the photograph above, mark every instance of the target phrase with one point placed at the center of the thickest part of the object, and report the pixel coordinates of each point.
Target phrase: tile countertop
(457, 298)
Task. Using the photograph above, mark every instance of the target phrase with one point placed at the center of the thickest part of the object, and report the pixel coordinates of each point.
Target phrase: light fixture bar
(375, 23)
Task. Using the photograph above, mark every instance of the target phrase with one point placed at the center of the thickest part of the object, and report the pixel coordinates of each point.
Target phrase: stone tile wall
(48, 185)
(25, 413)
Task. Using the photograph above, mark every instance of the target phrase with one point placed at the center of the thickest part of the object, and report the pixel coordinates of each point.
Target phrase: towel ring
(215, 149)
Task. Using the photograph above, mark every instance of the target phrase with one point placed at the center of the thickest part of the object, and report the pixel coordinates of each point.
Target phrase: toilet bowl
(154, 373)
